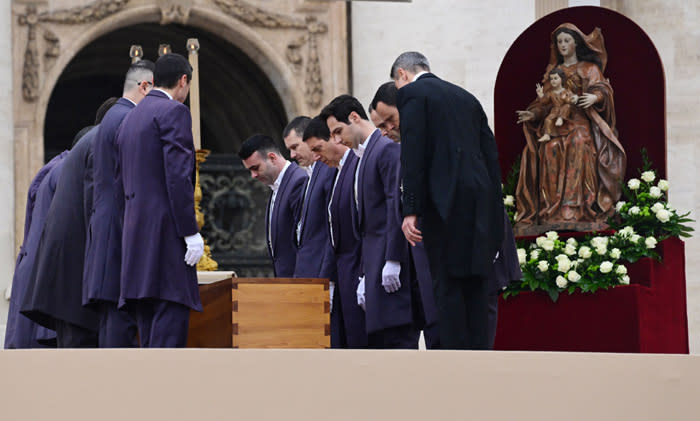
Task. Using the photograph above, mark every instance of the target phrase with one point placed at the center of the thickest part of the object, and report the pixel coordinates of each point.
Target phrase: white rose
(606, 267)
(663, 215)
(628, 230)
(625, 280)
(621, 270)
(655, 192)
(534, 254)
(663, 185)
(657, 207)
(650, 242)
(552, 235)
(615, 253)
(543, 266)
(573, 276)
(561, 282)
(570, 249)
(563, 266)
(572, 241)
(509, 200)
(634, 210)
(539, 241)
(634, 238)
(548, 245)
(633, 184)
(601, 250)
(598, 241)
(522, 256)
(648, 176)
(585, 252)
(619, 205)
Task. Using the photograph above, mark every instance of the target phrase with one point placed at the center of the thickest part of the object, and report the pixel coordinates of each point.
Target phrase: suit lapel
(268, 237)
(307, 198)
(366, 156)
(279, 200)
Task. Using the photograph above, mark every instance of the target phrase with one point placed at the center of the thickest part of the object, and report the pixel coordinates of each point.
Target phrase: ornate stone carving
(255, 16)
(174, 11)
(235, 207)
(32, 19)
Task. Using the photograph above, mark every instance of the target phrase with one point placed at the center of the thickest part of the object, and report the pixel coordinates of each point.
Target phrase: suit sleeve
(118, 180)
(88, 187)
(389, 169)
(178, 160)
(412, 110)
(295, 203)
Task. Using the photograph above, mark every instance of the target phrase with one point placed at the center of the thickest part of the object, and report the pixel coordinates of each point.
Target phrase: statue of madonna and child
(573, 163)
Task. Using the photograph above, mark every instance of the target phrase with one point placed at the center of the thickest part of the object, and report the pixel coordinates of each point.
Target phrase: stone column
(7, 176)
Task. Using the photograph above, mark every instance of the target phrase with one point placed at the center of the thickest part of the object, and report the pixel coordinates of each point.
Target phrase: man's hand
(390, 276)
(195, 249)
(410, 231)
(361, 293)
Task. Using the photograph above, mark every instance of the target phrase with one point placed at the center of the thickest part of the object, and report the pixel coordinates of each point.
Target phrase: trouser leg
(69, 335)
(117, 328)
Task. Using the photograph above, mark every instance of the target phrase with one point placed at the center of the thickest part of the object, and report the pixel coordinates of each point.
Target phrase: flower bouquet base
(649, 315)
(523, 230)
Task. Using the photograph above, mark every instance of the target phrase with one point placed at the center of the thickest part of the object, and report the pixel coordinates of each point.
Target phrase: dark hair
(298, 124)
(169, 69)
(258, 143)
(560, 72)
(80, 135)
(583, 53)
(386, 94)
(104, 108)
(341, 107)
(317, 128)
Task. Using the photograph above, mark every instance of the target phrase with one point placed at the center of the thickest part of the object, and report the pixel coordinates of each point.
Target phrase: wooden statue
(573, 162)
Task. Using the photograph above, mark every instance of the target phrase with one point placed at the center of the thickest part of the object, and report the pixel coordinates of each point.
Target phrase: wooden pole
(193, 53)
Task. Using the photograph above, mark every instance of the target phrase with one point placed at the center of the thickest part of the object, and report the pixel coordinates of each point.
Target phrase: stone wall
(7, 169)
(674, 27)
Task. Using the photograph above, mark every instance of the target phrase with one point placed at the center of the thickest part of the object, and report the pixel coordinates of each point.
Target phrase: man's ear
(183, 81)
(353, 117)
(271, 156)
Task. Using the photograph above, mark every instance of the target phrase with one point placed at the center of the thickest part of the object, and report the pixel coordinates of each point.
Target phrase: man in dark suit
(387, 121)
(55, 289)
(506, 268)
(347, 317)
(101, 280)
(53, 298)
(315, 257)
(385, 261)
(451, 178)
(22, 332)
(262, 157)
(161, 243)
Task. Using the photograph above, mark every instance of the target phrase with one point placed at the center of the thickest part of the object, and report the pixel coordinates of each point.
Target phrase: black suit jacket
(451, 176)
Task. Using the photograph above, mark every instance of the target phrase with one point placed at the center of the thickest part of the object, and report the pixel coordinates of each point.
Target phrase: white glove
(331, 288)
(195, 249)
(390, 276)
(361, 293)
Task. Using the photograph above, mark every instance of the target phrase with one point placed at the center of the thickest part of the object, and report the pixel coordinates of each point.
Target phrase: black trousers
(399, 337)
(463, 308)
(117, 328)
(338, 337)
(161, 324)
(69, 335)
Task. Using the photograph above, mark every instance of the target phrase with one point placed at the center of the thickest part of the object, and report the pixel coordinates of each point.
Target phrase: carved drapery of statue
(572, 181)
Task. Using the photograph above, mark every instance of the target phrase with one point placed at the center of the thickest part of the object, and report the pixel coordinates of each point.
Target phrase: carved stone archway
(301, 45)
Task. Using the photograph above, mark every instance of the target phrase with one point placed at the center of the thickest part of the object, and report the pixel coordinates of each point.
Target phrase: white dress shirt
(419, 74)
(309, 170)
(275, 187)
(167, 94)
(335, 183)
